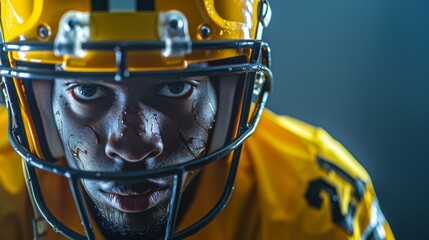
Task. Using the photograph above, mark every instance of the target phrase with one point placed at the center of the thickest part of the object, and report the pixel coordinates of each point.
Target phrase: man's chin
(116, 224)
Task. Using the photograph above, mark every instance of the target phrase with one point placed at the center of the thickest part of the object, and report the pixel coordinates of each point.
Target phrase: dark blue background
(360, 69)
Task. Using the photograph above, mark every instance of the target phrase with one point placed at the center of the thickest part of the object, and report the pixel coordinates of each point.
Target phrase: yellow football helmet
(114, 43)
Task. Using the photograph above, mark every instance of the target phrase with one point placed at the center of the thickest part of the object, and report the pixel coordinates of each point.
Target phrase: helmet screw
(175, 23)
(72, 23)
(205, 31)
(44, 32)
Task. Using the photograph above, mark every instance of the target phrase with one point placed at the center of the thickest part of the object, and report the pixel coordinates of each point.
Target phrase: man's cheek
(193, 143)
(93, 135)
(75, 148)
(76, 142)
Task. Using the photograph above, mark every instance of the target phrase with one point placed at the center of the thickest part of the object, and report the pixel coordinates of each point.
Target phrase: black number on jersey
(313, 197)
(319, 185)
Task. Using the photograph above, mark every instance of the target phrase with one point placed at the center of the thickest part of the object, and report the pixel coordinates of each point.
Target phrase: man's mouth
(129, 199)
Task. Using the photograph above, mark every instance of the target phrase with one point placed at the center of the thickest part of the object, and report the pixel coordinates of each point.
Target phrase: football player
(133, 121)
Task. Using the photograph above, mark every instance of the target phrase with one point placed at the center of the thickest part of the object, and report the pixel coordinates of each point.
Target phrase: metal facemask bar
(258, 65)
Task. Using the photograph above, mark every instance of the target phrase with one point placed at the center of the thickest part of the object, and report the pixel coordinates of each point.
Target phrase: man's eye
(175, 90)
(88, 92)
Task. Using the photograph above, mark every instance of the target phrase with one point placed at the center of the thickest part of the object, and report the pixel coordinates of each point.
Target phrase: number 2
(319, 185)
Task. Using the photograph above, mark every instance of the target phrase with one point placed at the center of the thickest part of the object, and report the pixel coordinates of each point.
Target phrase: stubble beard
(116, 224)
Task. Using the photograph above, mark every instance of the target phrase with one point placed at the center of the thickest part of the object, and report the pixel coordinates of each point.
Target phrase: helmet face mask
(134, 126)
(153, 123)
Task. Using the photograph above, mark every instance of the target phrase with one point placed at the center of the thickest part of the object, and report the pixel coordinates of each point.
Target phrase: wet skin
(137, 125)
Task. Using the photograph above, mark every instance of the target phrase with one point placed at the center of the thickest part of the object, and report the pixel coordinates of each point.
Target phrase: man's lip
(126, 188)
(134, 196)
(135, 202)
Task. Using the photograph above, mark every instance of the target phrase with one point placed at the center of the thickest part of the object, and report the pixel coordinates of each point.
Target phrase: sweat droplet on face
(131, 118)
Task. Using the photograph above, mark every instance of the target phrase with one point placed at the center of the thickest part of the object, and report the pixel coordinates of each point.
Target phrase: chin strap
(40, 226)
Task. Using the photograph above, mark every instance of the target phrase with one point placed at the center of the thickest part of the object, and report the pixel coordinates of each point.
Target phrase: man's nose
(136, 138)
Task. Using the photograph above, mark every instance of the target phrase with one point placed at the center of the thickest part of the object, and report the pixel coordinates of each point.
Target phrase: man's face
(136, 125)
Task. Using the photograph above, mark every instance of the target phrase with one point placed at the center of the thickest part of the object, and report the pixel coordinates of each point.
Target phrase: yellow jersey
(294, 182)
